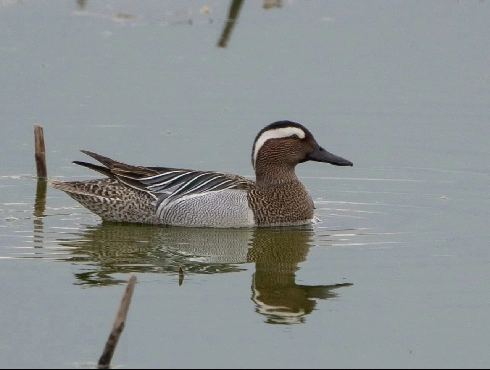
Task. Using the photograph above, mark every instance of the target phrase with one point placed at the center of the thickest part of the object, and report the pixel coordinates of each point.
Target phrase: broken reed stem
(118, 326)
(233, 13)
(40, 152)
(181, 275)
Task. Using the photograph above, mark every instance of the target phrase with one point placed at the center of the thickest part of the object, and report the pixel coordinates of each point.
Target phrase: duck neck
(274, 174)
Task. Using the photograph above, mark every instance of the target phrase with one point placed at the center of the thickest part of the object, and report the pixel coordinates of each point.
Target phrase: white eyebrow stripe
(276, 134)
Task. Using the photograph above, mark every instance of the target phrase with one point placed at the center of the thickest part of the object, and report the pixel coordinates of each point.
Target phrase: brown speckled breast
(283, 204)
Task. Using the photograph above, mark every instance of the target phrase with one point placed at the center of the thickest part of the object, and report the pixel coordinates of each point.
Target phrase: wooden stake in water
(181, 275)
(230, 23)
(40, 154)
(118, 326)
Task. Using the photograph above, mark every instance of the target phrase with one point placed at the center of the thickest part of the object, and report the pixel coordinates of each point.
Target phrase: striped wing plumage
(171, 184)
(167, 184)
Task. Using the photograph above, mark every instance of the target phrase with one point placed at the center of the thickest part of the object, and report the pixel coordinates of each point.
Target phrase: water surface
(395, 275)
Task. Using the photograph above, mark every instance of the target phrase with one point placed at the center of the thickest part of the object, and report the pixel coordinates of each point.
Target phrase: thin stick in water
(118, 326)
(40, 153)
(181, 275)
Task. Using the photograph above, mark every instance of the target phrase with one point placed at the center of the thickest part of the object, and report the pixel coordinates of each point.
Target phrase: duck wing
(165, 183)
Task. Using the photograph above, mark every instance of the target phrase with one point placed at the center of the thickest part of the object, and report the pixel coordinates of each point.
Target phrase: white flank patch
(276, 134)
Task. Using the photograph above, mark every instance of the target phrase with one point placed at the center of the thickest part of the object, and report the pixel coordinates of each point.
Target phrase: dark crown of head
(281, 124)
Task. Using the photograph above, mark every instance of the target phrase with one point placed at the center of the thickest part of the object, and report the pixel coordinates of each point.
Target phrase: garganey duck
(182, 197)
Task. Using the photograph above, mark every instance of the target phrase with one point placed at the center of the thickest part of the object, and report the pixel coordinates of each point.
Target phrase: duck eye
(294, 136)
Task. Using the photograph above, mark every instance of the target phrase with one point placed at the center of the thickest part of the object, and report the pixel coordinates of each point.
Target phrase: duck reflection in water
(112, 248)
(276, 254)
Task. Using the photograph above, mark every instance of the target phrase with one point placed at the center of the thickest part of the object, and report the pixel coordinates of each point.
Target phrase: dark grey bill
(321, 155)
